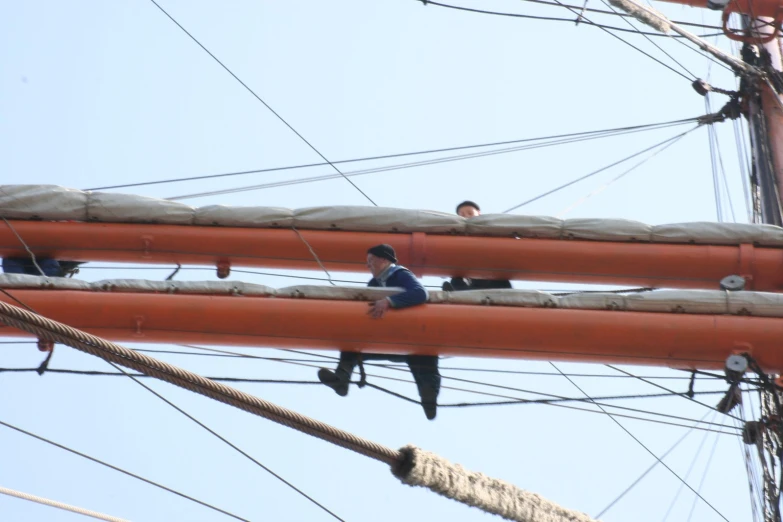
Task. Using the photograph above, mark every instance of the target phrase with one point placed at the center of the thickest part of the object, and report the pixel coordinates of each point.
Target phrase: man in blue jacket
(50, 267)
(382, 262)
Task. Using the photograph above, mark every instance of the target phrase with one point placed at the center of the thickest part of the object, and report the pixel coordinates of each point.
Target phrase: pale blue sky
(100, 93)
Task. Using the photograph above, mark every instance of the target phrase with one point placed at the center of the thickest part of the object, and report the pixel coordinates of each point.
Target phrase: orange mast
(660, 339)
(577, 261)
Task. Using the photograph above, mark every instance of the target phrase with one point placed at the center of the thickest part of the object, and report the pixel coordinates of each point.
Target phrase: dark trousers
(423, 367)
(24, 265)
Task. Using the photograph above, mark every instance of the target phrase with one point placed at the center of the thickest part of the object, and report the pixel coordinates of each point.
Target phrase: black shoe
(329, 378)
(447, 287)
(69, 268)
(429, 402)
(430, 409)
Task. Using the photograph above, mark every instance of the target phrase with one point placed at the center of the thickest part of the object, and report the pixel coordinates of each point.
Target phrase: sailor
(24, 265)
(469, 209)
(50, 267)
(382, 263)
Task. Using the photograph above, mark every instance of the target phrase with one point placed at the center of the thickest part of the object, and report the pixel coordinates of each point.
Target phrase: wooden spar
(659, 339)
(577, 261)
(772, 103)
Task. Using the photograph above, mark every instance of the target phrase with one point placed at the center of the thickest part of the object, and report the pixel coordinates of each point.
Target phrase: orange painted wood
(619, 263)
(659, 339)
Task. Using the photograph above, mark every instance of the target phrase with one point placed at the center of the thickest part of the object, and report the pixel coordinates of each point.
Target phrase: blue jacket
(24, 265)
(399, 276)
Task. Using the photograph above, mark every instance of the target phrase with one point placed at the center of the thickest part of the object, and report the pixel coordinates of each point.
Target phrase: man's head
(379, 258)
(468, 209)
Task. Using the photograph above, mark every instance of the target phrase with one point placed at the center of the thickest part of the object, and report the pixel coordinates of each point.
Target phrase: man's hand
(378, 308)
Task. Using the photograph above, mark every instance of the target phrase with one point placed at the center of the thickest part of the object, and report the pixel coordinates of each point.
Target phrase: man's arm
(414, 294)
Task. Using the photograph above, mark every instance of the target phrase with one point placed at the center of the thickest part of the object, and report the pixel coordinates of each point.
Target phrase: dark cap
(468, 204)
(383, 251)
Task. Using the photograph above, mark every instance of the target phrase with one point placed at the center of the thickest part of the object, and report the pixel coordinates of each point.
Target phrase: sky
(94, 94)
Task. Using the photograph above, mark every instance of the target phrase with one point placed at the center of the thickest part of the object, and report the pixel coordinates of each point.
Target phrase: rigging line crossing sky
(585, 20)
(752, 468)
(554, 401)
(687, 476)
(701, 52)
(703, 476)
(618, 131)
(616, 178)
(414, 164)
(724, 177)
(593, 173)
(514, 402)
(647, 471)
(476, 392)
(398, 368)
(251, 91)
(667, 389)
(615, 13)
(713, 168)
(73, 371)
(662, 463)
(633, 46)
(115, 468)
(742, 160)
(225, 441)
(646, 37)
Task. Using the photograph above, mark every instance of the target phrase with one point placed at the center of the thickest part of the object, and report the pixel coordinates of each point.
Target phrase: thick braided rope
(60, 505)
(58, 332)
(425, 469)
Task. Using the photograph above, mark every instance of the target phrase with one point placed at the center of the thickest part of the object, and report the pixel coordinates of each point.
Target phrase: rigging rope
(615, 13)
(226, 441)
(617, 178)
(570, 20)
(582, 18)
(626, 430)
(265, 104)
(647, 471)
(317, 259)
(434, 161)
(687, 475)
(614, 131)
(593, 173)
(704, 476)
(425, 469)
(557, 401)
(663, 27)
(60, 505)
(115, 468)
(27, 248)
(667, 389)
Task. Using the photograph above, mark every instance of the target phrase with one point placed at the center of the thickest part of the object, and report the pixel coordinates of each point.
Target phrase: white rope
(425, 469)
(60, 505)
